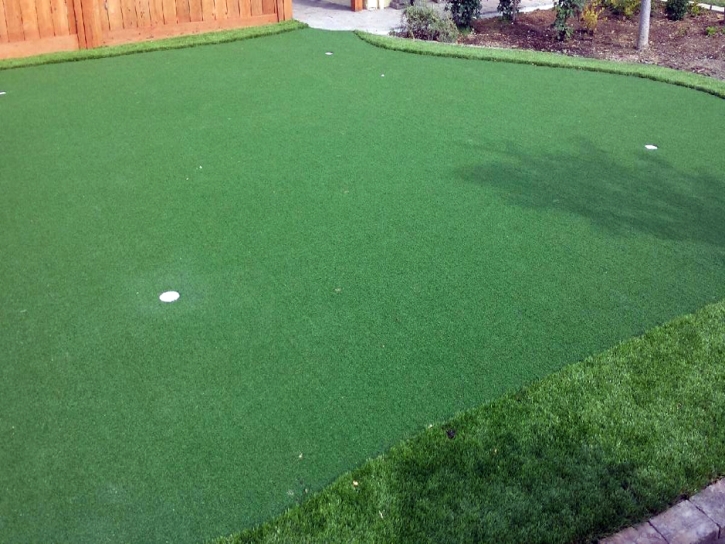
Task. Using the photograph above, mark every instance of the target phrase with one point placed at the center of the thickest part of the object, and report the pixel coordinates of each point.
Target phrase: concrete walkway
(699, 520)
(328, 15)
(337, 15)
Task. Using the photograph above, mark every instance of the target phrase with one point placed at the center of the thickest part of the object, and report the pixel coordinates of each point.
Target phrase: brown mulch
(683, 45)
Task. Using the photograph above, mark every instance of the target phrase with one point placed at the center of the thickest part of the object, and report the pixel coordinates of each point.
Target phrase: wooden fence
(31, 27)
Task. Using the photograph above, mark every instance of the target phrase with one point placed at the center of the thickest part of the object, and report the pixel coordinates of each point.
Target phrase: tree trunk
(644, 15)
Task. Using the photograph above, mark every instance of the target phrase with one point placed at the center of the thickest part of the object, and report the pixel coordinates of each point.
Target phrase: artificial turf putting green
(364, 243)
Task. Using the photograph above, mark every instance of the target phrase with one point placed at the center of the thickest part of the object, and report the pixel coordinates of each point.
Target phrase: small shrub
(464, 11)
(564, 10)
(625, 8)
(694, 9)
(590, 16)
(676, 9)
(508, 9)
(711, 31)
(425, 23)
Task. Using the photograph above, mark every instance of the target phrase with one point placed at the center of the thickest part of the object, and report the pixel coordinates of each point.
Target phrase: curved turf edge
(537, 58)
(179, 42)
(600, 445)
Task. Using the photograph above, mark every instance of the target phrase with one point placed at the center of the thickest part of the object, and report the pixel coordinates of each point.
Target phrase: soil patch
(683, 45)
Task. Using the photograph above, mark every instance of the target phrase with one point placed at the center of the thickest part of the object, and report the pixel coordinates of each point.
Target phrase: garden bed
(683, 45)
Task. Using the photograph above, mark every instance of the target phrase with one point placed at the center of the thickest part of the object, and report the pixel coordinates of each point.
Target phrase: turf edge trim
(555, 60)
(177, 42)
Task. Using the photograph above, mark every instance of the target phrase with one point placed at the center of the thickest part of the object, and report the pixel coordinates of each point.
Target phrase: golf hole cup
(169, 296)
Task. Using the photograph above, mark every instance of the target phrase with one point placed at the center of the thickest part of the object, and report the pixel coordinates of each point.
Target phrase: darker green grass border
(178, 42)
(600, 445)
(537, 58)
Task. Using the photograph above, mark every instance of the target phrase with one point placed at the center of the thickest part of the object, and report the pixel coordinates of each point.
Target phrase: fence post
(284, 10)
(78, 21)
(88, 23)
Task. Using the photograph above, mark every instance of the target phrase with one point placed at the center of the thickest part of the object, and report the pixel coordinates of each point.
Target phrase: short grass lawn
(365, 242)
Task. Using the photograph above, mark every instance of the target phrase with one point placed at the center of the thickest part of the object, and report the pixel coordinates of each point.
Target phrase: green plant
(425, 23)
(694, 9)
(564, 10)
(711, 30)
(625, 8)
(590, 16)
(509, 9)
(676, 9)
(464, 11)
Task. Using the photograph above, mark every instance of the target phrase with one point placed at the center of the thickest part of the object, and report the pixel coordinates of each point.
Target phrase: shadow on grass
(646, 194)
(517, 484)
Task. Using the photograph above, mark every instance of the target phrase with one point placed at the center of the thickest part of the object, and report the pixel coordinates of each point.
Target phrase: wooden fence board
(14, 21)
(90, 12)
(128, 13)
(221, 9)
(245, 7)
(71, 17)
(44, 19)
(233, 11)
(207, 10)
(182, 11)
(59, 14)
(105, 21)
(156, 12)
(268, 6)
(30, 20)
(195, 11)
(115, 14)
(3, 24)
(256, 7)
(142, 13)
(287, 11)
(80, 31)
(169, 7)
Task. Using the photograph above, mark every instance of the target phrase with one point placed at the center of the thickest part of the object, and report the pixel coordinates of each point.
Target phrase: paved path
(700, 520)
(329, 15)
(337, 15)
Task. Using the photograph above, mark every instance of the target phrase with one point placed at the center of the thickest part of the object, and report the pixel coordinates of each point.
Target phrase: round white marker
(328, 53)
(169, 296)
(650, 147)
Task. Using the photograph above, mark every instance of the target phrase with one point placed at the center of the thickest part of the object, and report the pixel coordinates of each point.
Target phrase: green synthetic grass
(537, 58)
(179, 42)
(364, 243)
(597, 446)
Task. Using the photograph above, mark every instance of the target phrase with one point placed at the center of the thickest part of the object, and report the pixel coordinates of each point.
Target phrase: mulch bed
(684, 45)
